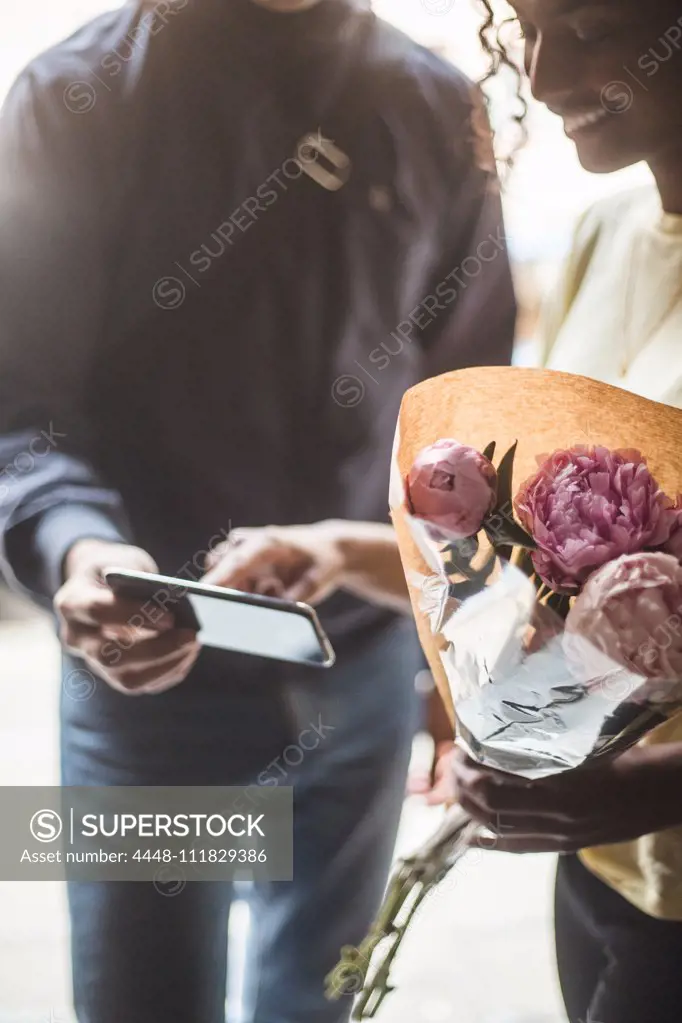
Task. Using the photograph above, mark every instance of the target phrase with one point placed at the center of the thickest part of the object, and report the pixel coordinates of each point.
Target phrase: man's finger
(172, 677)
(234, 539)
(240, 534)
(99, 607)
(269, 586)
(240, 567)
(418, 783)
(443, 791)
(107, 654)
(309, 589)
(73, 634)
(158, 672)
(155, 651)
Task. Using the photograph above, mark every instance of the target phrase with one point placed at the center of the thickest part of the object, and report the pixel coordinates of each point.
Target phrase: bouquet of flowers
(540, 529)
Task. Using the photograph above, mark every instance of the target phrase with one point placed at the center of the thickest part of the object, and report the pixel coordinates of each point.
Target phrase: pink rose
(587, 506)
(630, 611)
(452, 488)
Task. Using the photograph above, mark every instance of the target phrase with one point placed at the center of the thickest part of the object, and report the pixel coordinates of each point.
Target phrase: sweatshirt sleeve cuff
(56, 531)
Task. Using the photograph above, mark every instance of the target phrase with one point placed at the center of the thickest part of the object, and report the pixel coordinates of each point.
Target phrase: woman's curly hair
(491, 37)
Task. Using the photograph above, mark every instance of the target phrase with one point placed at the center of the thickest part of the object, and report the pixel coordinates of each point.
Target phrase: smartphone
(229, 619)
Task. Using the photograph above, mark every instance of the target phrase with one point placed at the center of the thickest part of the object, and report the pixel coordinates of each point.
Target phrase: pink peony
(674, 544)
(451, 488)
(587, 506)
(631, 611)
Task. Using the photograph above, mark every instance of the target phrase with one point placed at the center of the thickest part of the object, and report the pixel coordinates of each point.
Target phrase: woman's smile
(588, 120)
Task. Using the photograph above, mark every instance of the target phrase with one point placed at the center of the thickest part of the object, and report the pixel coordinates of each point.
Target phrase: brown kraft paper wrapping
(541, 409)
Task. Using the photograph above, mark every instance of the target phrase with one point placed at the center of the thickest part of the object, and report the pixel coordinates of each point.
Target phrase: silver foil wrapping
(529, 698)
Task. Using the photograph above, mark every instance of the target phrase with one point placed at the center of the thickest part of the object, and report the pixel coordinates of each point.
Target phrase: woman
(613, 73)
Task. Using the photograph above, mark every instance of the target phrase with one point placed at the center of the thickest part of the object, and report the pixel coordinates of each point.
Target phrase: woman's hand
(308, 563)
(619, 800)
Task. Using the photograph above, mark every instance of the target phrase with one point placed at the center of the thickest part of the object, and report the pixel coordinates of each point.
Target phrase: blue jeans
(341, 738)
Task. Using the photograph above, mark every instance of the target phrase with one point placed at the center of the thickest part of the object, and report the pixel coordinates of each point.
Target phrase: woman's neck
(666, 168)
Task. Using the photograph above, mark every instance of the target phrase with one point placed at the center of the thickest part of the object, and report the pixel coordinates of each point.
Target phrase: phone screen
(261, 631)
(229, 620)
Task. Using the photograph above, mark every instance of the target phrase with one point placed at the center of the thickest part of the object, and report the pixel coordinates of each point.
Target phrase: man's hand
(438, 782)
(308, 563)
(136, 653)
(619, 800)
(439, 786)
(294, 562)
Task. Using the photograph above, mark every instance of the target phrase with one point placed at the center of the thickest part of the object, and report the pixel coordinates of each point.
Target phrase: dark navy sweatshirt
(230, 240)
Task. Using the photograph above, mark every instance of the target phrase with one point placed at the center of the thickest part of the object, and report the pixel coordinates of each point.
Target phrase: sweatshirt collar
(325, 13)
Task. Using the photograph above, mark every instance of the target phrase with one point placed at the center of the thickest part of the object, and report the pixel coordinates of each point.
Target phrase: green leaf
(504, 553)
(559, 602)
(517, 535)
(460, 555)
(489, 452)
(464, 549)
(453, 568)
(468, 587)
(473, 580)
(460, 591)
(502, 529)
(505, 472)
(486, 570)
(525, 562)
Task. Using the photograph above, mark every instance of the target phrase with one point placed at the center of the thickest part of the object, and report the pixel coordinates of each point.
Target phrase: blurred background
(481, 951)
